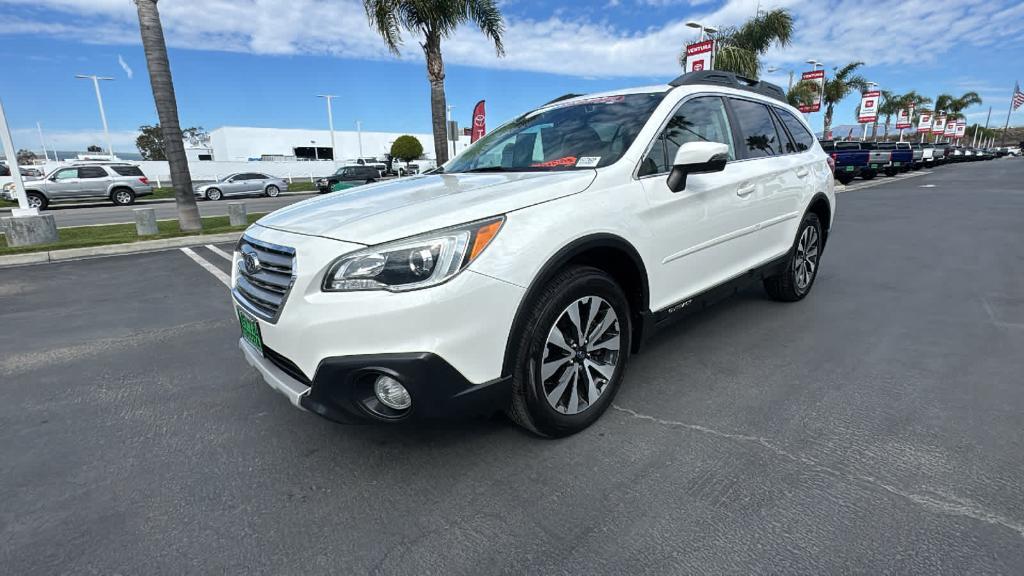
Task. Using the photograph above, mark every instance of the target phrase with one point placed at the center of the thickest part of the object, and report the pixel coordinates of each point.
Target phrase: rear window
(759, 137)
(127, 170)
(847, 145)
(802, 138)
(886, 146)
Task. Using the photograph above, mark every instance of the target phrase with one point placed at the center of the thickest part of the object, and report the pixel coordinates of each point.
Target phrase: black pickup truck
(347, 177)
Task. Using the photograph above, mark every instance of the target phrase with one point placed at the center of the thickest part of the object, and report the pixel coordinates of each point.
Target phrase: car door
(812, 175)
(256, 183)
(770, 209)
(63, 184)
(694, 231)
(233, 185)
(93, 181)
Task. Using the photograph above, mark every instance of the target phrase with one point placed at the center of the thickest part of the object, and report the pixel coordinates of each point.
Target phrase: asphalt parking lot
(875, 428)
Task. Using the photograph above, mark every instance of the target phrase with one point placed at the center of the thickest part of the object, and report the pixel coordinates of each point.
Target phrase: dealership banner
(961, 128)
(950, 128)
(939, 126)
(479, 122)
(924, 122)
(699, 56)
(903, 118)
(869, 106)
(818, 78)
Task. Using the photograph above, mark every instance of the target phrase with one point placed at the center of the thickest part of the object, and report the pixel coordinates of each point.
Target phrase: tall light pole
(864, 131)
(330, 122)
(99, 99)
(42, 142)
(777, 69)
(448, 130)
(359, 134)
(12, 163)
(316, 153)
(702, 28)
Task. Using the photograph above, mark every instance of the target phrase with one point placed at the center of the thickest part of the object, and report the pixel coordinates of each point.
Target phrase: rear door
(770, 209)
(93, 181)
(257, 182)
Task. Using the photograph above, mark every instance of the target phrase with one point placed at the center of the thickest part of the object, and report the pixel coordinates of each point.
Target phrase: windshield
(587, 133)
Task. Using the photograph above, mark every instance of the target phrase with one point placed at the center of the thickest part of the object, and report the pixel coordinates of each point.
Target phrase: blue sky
(261, 62)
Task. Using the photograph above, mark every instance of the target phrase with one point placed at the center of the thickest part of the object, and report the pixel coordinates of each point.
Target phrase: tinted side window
(801, 137)
(92, 172)
(128, 170)
(698, 120)
(760, 139)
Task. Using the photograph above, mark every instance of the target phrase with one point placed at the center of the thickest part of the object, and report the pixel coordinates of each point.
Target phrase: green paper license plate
(850, 168)
(251, 330)
(875, 166)
(896, 163)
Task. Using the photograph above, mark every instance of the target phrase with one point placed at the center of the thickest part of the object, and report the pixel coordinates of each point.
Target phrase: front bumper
(342, 389)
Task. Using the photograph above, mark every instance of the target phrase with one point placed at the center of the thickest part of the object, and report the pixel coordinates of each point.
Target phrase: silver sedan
(242, 184)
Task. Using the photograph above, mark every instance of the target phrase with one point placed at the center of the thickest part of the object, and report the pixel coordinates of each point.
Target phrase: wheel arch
(114, 189)
(607, 252)
(822, 208)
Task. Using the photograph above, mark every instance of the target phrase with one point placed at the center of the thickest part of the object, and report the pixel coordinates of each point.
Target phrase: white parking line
(872, 184)
(219, 252)
(224, 278)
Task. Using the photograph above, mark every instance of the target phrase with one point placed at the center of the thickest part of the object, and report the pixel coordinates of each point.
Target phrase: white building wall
(237, 143)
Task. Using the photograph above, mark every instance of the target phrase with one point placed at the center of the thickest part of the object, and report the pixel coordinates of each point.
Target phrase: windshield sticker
(566, 161)
(588, 162)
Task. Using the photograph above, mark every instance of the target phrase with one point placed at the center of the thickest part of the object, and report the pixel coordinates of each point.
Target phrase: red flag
(479, 122)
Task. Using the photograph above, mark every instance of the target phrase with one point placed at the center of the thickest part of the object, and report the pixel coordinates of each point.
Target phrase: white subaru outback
(522, 274)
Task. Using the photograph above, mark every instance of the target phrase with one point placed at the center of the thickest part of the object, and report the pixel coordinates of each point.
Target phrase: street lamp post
(448, 129)
(359, 134)
(330, 122)
(702, 28)
(99, 99)
(777, 69)
(316, 153)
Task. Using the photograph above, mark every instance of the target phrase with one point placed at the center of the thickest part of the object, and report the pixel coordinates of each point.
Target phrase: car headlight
(413, 263)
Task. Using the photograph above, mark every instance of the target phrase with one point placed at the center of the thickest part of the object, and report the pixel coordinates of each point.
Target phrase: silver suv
(120, 183)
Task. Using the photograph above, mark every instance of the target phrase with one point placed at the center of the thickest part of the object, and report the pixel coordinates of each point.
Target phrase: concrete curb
(115, 249)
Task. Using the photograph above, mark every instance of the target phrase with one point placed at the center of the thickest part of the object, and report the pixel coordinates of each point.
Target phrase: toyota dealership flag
(924, 122)
(961, 128)
(699, 56)
(903, 118)
(939, 126)
(818, 78)
(869, 106)
(950, 130)
(479, 122)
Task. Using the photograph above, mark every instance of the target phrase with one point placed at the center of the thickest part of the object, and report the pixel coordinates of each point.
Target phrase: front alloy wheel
(580, 355)
(273, 191)
(569, 352)
(213, 194)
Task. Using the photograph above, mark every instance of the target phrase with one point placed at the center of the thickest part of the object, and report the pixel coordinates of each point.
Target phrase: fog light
(391, 393)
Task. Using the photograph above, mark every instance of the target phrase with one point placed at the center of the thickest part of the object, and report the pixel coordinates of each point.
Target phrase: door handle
(746, 190)
(802, 172)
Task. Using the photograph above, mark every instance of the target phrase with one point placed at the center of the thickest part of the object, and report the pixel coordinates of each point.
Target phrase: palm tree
(167, 110)
(838, 87)
(916, 102)
(738, 49)
(435, 20)
(802, 93)
(953, 107)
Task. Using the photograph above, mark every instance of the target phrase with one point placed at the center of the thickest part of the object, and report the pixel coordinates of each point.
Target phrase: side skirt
(654, 321)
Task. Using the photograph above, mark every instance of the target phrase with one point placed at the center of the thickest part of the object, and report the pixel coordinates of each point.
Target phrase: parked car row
(868, 159)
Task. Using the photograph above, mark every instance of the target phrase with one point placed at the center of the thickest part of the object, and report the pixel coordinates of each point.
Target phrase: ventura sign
(818, 78)
(700, 56)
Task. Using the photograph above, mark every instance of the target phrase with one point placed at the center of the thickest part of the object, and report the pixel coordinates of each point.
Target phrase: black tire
(214, 194)
(530, 406)
(890, 172)
(122, 196)
(844, 179)
(787, 286)
(868, 174)
(273, 191)
(37, 197)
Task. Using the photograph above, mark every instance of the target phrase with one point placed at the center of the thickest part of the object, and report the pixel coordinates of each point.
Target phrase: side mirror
(696, 158)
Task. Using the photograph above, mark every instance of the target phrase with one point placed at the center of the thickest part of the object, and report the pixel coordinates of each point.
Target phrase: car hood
(385, 211)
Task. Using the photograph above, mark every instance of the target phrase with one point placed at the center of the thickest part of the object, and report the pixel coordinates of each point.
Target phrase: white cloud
(913, 32)
(124, 66)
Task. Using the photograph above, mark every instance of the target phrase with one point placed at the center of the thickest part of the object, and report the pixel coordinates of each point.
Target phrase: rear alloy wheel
(37, 201)
(844, 179)
(273, 191)
(123, 197)
(796, 280)
(571, 353)
(214, 194)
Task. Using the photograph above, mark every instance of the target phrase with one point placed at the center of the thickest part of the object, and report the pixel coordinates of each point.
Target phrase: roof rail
(730, 80)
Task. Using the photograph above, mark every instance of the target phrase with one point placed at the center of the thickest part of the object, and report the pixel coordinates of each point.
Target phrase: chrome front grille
(265, 276)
